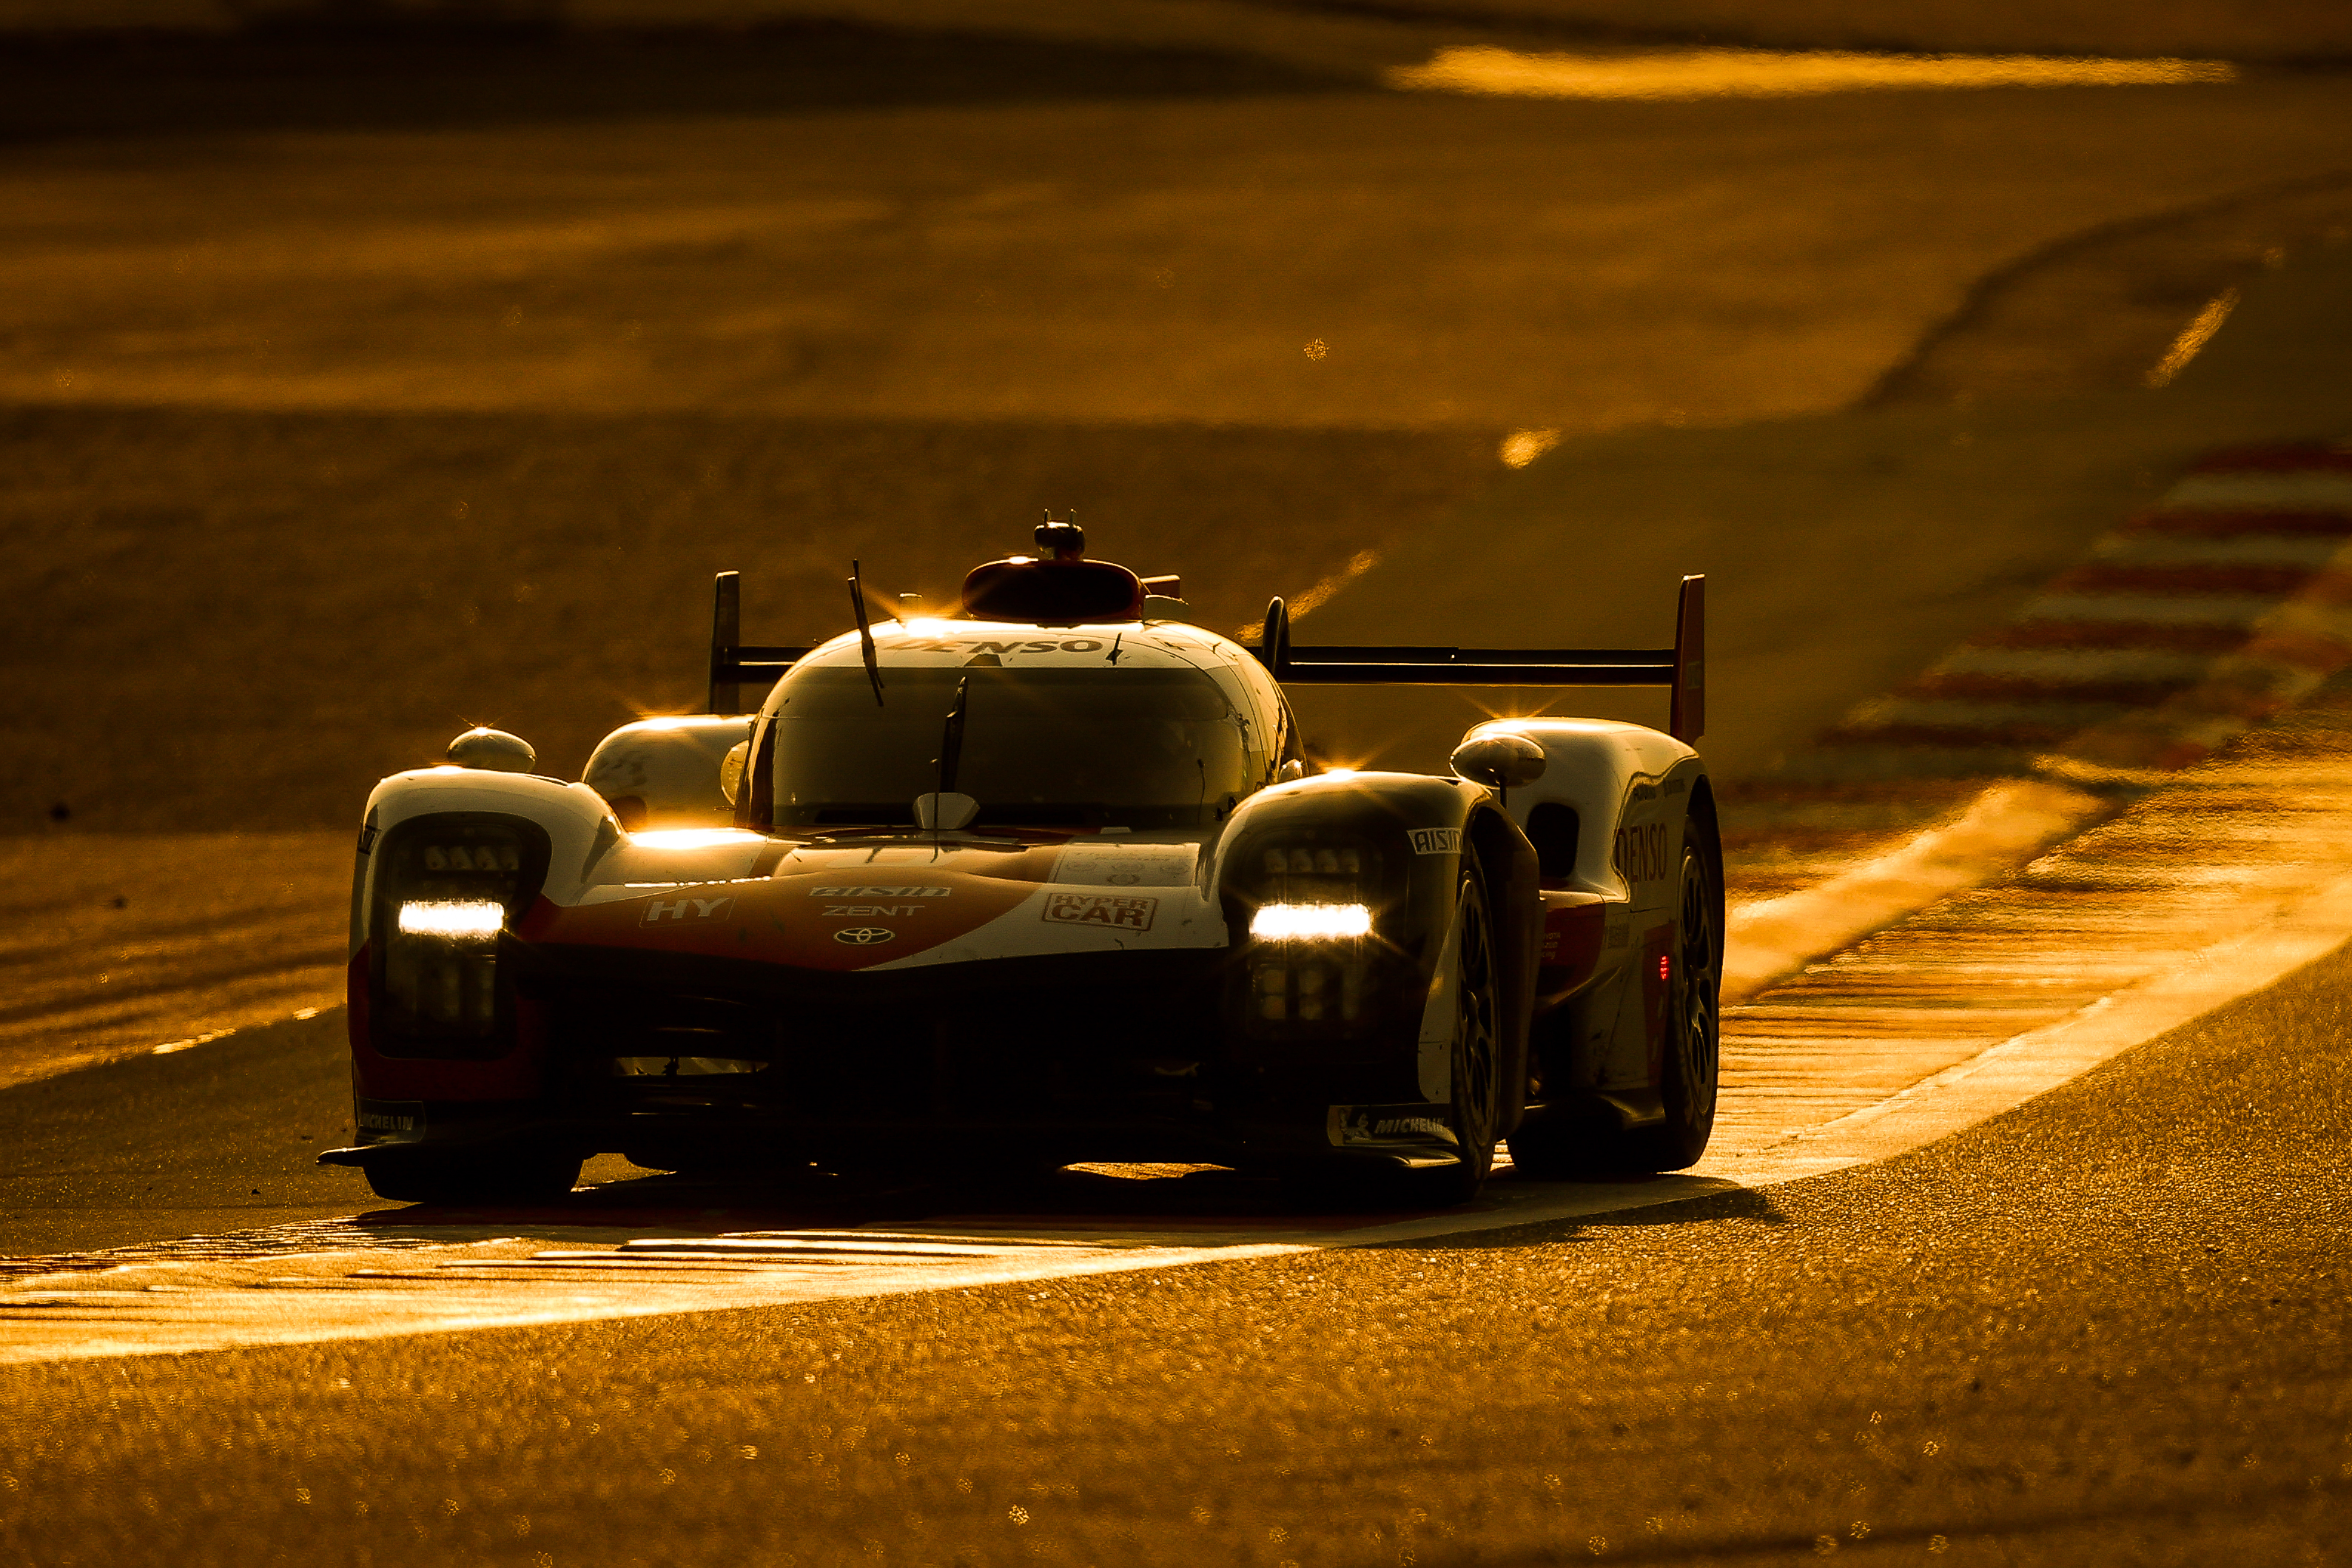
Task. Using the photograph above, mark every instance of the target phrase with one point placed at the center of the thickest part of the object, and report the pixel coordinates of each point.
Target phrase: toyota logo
(864, 935)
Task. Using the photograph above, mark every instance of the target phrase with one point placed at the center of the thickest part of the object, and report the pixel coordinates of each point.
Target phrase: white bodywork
(1628, 786)
(680, 772)
(1630, 790)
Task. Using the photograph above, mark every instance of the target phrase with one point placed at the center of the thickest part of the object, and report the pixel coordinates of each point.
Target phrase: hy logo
(661, 909)
(863, 936)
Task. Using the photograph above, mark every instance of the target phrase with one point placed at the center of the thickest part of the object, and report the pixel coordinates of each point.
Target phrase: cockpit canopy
(1136, 745)
(1049, 700)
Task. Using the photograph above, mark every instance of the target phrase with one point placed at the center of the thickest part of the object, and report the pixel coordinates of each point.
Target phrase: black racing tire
(1694, 1066)
(472, 1175)
(1567, 1141)
(1475, 1111)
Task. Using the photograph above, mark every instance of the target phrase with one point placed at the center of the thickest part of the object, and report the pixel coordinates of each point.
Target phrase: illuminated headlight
(447, 888)
(1316, 976)
(1313, 963)
(473, 917)
(1311, 921)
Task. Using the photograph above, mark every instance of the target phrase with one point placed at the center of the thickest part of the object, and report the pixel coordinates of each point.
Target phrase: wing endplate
(1689, 718)
(733, 663)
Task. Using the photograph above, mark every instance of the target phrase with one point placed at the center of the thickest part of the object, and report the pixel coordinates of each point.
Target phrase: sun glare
(693, 837)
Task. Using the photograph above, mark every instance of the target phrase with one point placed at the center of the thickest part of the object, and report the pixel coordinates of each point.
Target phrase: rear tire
(472, 1175)
(1565, 1141)
(1693, 1062)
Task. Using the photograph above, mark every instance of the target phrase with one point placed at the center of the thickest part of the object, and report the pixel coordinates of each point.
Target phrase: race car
(1049, 878)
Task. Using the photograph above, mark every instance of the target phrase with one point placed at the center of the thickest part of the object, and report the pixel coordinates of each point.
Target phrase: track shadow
(395, 77)
(1738, 1203)
(1160, 1206)
(1709, 1207)
(1180, 1204)
(1207, 1197)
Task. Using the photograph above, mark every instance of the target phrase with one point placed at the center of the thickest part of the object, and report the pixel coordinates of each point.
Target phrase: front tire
(1476, 1069)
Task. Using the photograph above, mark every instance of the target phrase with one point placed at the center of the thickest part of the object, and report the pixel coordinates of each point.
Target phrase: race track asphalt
(221, 1136)
(2105, 1328)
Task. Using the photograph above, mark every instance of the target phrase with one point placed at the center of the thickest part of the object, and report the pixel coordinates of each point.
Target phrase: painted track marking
(2096, 684)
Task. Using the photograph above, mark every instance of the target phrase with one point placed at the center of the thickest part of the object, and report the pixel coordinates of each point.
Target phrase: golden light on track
(1522, 447)
(1360, 563)
(1769, 73)
(2193, 336)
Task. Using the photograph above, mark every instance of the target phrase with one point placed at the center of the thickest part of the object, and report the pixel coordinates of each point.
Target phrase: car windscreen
(1139, 747)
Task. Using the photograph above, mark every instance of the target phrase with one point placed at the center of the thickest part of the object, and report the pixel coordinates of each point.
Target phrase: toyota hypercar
(1047, 878)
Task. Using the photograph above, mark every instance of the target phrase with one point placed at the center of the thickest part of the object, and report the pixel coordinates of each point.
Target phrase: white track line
(2004, 827)
(2017, 1070)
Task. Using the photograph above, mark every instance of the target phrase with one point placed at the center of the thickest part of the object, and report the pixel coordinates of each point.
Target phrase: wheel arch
(1599, 769)
(1513, 890)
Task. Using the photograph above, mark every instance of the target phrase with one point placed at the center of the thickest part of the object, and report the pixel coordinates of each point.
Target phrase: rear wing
(1681, 668)
(733, 665)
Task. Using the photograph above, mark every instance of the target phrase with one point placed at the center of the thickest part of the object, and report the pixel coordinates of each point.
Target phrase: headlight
(452, 918)
(1312, 964)
(446, 886)
(1311, 921)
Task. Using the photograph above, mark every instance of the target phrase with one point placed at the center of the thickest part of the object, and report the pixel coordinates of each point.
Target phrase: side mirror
(493, 749)
(731, 770)
(1498, 761)
(1290, 772)
(945, 814)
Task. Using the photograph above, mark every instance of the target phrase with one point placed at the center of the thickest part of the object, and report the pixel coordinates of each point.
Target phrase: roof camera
(1063, 540)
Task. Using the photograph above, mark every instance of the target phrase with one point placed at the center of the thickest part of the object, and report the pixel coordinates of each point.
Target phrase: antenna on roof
(865, 632)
